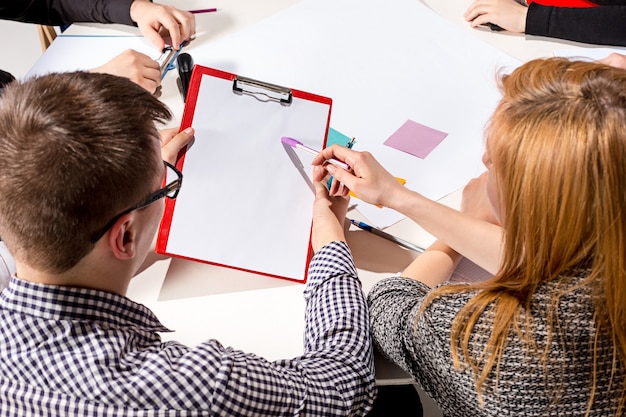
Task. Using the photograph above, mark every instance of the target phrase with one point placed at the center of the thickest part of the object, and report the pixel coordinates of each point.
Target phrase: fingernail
(189, 130)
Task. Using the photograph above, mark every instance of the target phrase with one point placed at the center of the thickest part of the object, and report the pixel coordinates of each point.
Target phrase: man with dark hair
(83, 181)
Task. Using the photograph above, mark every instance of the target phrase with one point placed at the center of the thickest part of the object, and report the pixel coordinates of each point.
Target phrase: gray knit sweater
(525, 386)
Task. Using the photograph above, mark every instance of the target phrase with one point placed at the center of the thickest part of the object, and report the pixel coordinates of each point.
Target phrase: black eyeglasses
(170, 190)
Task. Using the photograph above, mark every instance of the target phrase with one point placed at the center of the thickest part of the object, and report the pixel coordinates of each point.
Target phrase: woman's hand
(367, 178)
(508, 14)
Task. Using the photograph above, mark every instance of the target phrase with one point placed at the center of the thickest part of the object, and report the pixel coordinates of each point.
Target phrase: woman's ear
(122, 237)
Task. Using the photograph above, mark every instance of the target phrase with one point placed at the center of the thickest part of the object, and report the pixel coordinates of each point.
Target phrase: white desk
(256, 313)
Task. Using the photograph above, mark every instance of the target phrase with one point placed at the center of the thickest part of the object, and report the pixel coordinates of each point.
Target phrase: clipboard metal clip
(262, 91)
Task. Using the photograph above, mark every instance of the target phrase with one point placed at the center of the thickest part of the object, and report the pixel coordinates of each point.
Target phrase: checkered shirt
(76, 351)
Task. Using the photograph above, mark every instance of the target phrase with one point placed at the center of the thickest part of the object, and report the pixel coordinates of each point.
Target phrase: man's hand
(138, 67)
(173, 141)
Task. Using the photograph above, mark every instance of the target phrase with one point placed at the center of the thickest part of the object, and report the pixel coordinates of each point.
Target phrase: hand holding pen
(367, 178)
(333, 194)
(335, 189)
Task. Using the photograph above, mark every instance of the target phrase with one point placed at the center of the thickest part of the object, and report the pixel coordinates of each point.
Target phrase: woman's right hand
(367, 178)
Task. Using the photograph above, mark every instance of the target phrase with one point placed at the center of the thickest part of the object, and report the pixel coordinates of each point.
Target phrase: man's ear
(122, 237)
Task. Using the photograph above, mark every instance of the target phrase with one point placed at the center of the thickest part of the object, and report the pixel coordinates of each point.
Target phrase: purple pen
(203, 11)
(298, 145)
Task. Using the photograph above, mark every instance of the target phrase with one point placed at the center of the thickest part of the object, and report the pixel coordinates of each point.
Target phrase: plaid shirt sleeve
(334, 377)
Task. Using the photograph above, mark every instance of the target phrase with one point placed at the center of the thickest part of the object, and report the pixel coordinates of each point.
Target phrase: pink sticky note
(416, 139)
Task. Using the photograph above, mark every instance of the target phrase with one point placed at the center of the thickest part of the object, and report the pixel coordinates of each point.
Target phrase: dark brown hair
(76, 149)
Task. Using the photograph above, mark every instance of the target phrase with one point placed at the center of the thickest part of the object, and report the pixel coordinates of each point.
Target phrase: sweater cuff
(538, 19)
(119, 12)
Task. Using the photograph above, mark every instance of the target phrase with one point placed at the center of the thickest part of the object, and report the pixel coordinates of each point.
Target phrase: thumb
(170, 150)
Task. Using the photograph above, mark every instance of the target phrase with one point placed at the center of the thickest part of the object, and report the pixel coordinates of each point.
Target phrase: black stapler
(184, 63)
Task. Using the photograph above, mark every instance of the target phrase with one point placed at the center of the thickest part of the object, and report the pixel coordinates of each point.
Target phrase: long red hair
(557, 142)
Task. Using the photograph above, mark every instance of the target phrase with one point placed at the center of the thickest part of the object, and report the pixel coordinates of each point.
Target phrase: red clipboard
(565, 3)
(246, 198)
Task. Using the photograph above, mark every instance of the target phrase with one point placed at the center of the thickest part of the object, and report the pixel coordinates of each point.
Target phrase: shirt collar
(54, 302)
